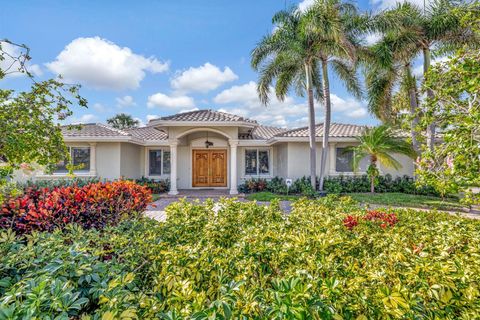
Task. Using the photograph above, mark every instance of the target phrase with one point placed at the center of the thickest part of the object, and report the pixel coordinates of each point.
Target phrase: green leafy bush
(155, 185)
(349, 184)
(53, 183)
(233, 260)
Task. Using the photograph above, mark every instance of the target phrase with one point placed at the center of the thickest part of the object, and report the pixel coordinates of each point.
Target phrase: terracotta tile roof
(337, 130)
(93, 130)
(261, 133)
(147, 133)
(206, 116)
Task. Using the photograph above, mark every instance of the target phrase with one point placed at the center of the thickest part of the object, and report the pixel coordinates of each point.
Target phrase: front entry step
(202, 194)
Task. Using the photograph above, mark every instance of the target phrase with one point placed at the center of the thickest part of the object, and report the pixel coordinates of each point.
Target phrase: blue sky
(153, 58)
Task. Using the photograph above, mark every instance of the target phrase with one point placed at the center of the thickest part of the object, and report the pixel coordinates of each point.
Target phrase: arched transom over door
(209, 168)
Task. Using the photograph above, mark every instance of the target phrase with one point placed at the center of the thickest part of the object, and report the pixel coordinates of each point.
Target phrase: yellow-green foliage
(238, 260)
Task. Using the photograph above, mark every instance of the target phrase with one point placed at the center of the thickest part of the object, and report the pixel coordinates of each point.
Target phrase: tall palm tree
(379, 143)
(123, 121)
(389, 66)
(289, 58)
(335, 27)
(437, 26)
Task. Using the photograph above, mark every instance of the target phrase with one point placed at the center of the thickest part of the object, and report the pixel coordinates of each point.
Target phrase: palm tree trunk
(326, 122)
(311, 126)
(412, 93)
(373, 163)
(431, 127)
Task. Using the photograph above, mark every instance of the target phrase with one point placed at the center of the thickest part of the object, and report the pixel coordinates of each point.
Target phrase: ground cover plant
(233, 260)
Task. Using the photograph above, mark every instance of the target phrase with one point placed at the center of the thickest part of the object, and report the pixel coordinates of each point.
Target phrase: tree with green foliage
(289, 56)
(379, 144)
(437, 27)
(299, 53)
(123, 121)
(336, 27)
(30, 132)
(454, 164)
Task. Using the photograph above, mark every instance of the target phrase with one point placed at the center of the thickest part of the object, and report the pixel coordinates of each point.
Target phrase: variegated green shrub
(233, 260)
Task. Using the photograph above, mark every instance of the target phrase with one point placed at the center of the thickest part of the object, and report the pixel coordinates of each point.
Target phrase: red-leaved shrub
(350, 222)
(91, 206)
(379, 218)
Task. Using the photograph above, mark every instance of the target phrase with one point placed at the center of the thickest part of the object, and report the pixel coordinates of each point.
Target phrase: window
(159, 162)
(80, 159)
(257, 162)
(344, 161)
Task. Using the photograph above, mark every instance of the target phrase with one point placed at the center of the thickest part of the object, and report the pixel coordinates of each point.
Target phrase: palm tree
(436, 26)
(335, 27)
(388, 66)
(379, 143)
(123, 121)
(289, 57)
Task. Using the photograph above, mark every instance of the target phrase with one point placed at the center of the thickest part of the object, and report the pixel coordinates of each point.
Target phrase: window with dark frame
(80, 160)
(257, 162)
(159, 162)
(344, 160)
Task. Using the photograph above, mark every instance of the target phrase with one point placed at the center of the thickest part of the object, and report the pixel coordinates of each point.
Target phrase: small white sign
(288, 182)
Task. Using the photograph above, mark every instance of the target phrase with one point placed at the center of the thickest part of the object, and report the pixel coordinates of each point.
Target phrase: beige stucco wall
(108, 160)
(298, 159)
(132, 165)
(408, 167)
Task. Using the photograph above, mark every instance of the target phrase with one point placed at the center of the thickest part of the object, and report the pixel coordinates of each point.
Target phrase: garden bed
(328, 259)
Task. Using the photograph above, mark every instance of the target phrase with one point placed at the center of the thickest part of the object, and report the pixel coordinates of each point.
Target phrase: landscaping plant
(92, 206)
(233, 260)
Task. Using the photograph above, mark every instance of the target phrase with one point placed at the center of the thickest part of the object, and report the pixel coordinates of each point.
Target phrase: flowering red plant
(350, 222)
(380, 218)
(92, 206)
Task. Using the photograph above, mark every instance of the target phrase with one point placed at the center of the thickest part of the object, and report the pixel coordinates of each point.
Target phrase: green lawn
(156, 196)
(407, 200)
(268, 196)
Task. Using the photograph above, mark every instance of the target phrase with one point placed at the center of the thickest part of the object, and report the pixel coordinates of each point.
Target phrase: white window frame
(347, 173)
(81, 171)
(258, 175)
(147, 163)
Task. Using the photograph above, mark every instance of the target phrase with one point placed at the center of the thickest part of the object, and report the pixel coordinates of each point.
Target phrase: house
(207, 149)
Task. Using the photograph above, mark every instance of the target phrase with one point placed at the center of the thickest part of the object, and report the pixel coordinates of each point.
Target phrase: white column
(233, 166)
(333, 158)
(173, 168)
(93, 159)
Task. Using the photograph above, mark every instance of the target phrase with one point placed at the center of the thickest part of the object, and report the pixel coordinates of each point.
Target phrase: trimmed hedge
(94, 205)
(339, 185)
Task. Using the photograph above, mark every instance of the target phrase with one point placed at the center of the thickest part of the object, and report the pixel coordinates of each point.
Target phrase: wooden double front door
(209, 168)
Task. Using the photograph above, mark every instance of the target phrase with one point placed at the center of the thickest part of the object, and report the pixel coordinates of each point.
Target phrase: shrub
(155, 185)
(236, 260)
(92, 206)
(349, 184)
(54, 183)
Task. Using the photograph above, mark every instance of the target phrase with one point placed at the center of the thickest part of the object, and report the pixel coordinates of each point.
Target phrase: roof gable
(207, 116)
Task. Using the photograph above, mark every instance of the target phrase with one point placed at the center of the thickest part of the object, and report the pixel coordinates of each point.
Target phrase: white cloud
(101, 64)
(86, 118)
(126, 101)
(202, 79)
(386, 4)
(151, 117)
(188, 110)
(140, 122)
(163, 100)
(348, 107)
(10, 64)
(243, 100)
(305, 4)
